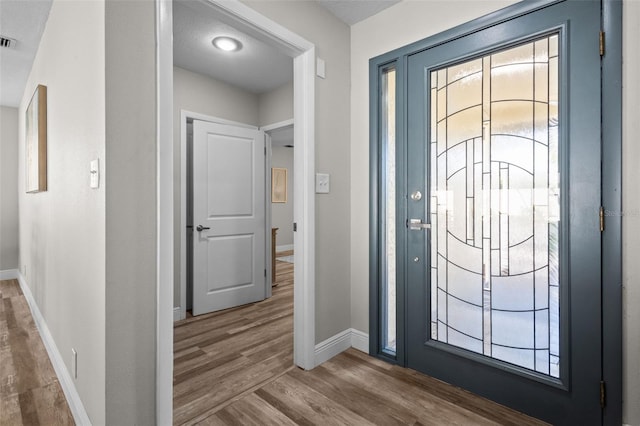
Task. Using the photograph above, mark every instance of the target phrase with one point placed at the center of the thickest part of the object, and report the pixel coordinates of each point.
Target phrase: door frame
(303, 54)
(611, 141)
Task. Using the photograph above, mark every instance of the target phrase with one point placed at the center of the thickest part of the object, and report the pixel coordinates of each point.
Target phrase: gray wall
(331, 38)
(131, 212)
(282, 213)
(8, 188)
(62, 230)
(631, 213)
(276, 106)
(411, 21)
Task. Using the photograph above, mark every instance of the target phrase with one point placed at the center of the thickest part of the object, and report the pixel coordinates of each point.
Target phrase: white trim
(164, 207)
(350, 338)
(304, 285)
(9, 274)
(280, 125)
(360, 340)
(331, 347)
(211, 119)
(177, 314)
(284, 247)
(66, 382)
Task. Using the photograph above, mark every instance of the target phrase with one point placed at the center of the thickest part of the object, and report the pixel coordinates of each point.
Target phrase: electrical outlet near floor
(74, 363)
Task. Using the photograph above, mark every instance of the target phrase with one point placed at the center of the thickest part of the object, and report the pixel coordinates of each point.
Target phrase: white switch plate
(322, 183)
(94, 170)
(320, 68)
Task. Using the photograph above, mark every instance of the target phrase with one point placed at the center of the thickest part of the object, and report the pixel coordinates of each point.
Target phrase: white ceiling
(282, 136)
(257, 68)
(24, 21)
(354, 11)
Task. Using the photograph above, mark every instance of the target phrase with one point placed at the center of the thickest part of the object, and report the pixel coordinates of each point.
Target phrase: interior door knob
(201, 228)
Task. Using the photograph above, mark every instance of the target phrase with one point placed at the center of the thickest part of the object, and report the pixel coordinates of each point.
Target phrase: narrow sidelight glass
(388, 132)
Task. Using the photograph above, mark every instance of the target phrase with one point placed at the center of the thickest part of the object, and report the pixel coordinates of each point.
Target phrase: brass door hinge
(601, 214)
(603, 400)
(601, 43)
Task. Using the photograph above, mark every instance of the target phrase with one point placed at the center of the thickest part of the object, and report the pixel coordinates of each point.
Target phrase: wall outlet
(74, 363)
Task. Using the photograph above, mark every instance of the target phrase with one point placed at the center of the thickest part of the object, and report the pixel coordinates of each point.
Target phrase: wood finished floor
(30, 393)
(235, 367)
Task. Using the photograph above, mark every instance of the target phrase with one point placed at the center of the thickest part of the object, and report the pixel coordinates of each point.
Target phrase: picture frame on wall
(36, 141)
(278, 185)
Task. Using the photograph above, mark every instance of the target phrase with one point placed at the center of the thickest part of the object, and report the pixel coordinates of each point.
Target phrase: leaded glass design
(495, 191)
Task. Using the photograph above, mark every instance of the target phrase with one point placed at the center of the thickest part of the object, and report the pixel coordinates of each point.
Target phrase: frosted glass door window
(389, 176)
(495, 197)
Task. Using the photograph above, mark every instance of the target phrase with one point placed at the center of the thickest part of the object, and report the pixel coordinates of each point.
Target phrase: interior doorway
(303, 54)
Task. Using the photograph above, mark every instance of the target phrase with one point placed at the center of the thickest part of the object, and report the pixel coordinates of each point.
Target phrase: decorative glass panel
(495, 205)
(389, 182)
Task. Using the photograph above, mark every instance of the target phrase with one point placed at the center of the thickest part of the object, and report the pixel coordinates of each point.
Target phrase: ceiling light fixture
(228, 44)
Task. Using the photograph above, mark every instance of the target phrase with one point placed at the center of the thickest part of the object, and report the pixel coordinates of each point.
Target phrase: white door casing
(229, 256)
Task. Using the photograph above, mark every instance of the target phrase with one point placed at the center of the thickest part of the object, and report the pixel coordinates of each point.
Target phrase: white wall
(282, 213)
(276, 106)
(631, 209)
(331, 38)
(202, 94)
(62, 230)
(8, 188)
(410, 21)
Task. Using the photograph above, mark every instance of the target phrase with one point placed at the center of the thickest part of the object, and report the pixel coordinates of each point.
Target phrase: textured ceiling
(256, 68)
(353, 11)
(24, 21)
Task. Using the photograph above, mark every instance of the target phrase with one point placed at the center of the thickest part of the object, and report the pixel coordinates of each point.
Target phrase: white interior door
(229, 235)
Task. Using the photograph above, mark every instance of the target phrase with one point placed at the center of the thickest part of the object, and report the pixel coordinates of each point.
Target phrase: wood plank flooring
(235, 367)
(223, 355)
(30, 393)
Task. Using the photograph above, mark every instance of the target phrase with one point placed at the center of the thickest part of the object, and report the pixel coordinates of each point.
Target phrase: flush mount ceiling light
(228, 44)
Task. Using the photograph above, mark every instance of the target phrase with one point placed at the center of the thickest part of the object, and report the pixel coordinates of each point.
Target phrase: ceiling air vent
(7, 42)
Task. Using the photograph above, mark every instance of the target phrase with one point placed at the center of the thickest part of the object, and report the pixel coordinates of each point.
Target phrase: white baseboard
(66, 382)
(284, 247)
(9, 274)
(177, 314)
(332, 346)
(339, 343)
(360, 340)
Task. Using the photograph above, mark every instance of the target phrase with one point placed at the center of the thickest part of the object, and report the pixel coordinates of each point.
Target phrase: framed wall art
(36, 141)
(278, 185)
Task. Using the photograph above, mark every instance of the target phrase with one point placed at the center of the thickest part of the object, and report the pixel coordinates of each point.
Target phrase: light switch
(322, 183)
(94, 170)
(320, 68)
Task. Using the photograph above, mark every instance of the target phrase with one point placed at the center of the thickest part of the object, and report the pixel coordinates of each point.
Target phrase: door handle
(418, 224)
(201, 228)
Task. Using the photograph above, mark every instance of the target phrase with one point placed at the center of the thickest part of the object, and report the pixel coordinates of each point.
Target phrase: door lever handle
(418, 224)
(201, 228)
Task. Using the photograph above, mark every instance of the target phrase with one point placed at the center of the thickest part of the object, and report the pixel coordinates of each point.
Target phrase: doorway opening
(235, 13)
